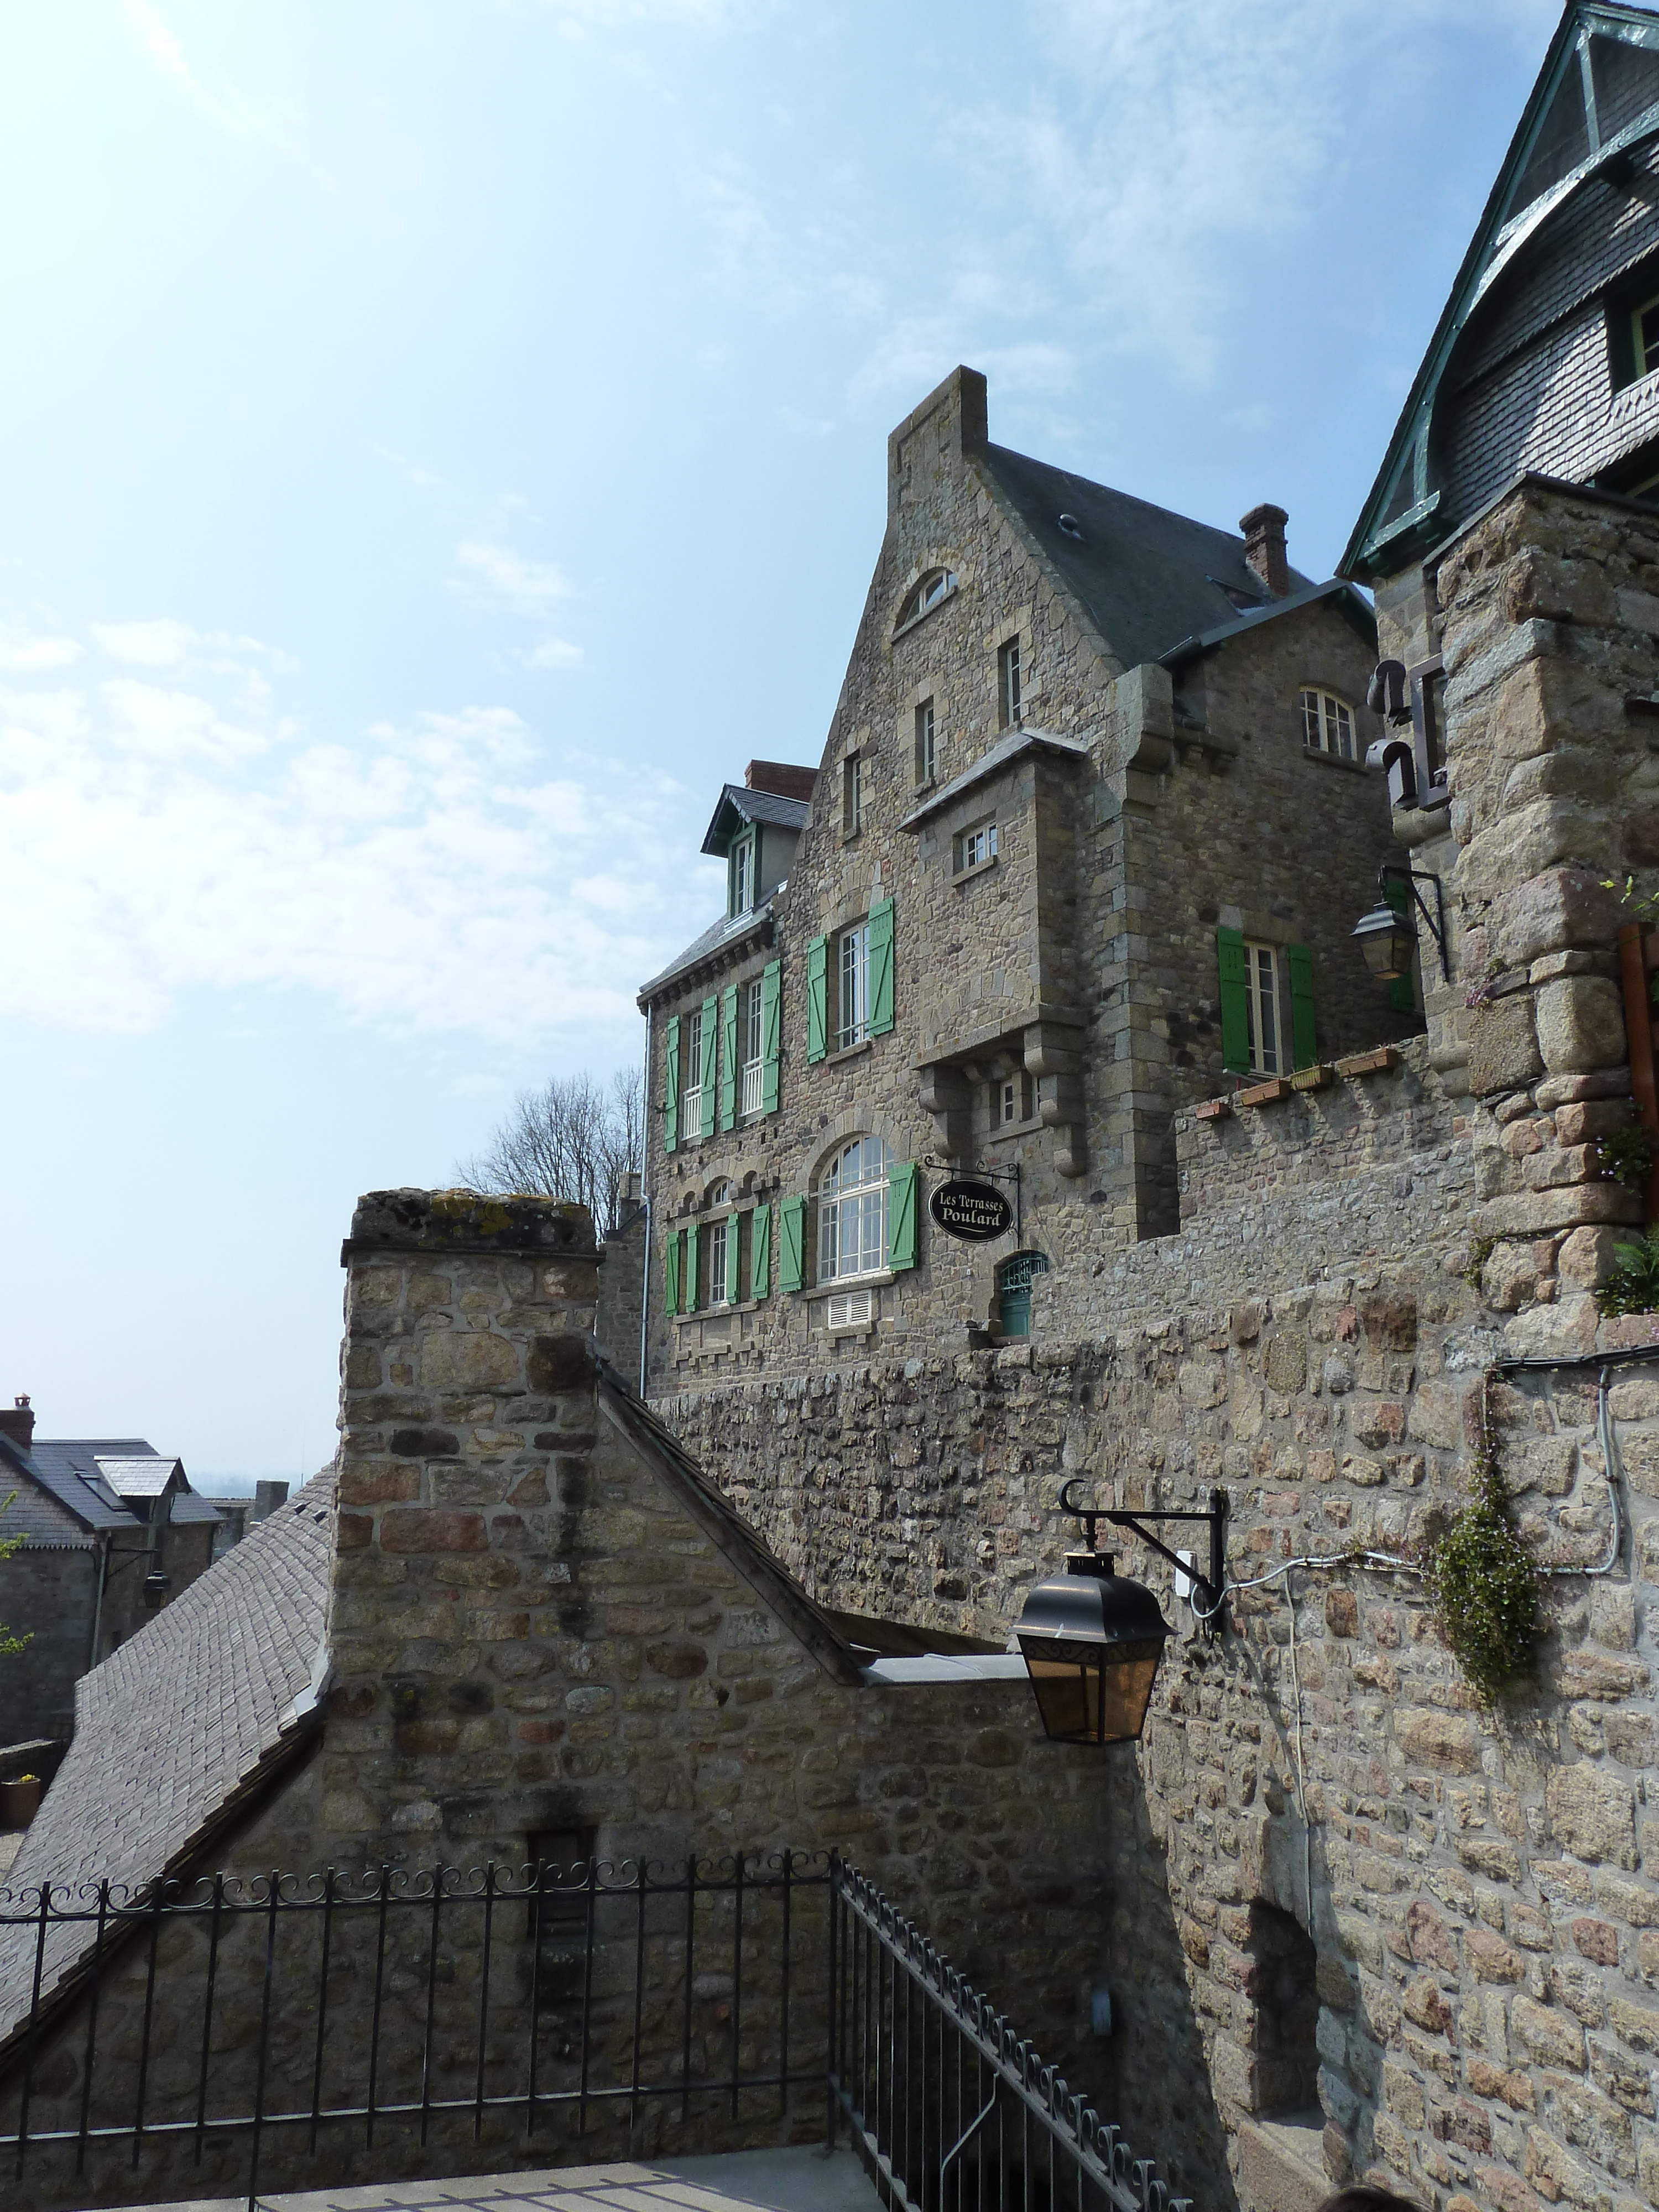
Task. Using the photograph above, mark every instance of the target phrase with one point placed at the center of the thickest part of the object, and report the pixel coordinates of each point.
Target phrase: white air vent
(850, 1309)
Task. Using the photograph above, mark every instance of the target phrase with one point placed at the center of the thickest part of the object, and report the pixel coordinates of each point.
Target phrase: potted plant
(20, 1800)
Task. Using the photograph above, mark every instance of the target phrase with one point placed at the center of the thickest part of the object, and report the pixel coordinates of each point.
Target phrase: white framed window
(928, 593)
(853, 987)
(977, 846)
(849, 1308)
(852, 795)
(927, 754)
(852, 1211)
(719, 1234)
(1328, 724)
(1262, 1000)
(1010, 685)
(692, 1096)
(1645, 332)
(752, 1017)
(1011, 1101)
(742, 874)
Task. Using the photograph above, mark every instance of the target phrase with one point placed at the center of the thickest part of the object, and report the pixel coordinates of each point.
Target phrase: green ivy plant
(10, 1645)
(1625, 1156)
(1484, 1581)
(1641, 906)
(1632, 1287)
(1481, 1250)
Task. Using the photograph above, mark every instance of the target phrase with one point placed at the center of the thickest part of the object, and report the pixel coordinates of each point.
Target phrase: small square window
(1010, 693)
(1011, 1101)
(1328, 725)
(975, 847)
(852, 795)
(925, 757)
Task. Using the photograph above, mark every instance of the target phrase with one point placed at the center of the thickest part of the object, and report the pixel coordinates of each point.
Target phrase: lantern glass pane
(1092, 1692)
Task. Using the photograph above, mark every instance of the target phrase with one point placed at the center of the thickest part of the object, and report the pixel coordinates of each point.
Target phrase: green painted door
(1014, 1292)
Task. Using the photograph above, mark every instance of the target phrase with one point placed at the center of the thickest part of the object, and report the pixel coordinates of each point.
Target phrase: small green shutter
(1304, 1044)
(728, 1056)
(688, 1275)
(1235, 1001)
(817, 997)
(881, 967)
(760, 1253)
(902, 1216)
(1402, 992)
(771, 1033)
(671, 1272)
(791, 1244)
(706, 1073)
(733, 1239)
(670, 1102)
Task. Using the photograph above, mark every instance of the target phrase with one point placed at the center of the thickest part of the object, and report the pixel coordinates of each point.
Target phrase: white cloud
(223, 104)
(495, 575)
(551, 652)
(34, 652)
(447, 874)
(151, 644)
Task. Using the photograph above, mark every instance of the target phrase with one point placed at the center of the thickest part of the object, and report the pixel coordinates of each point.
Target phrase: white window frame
(743, 873)
(852, 795)
(849, 1309)
(1328, 724)
(851, 986)
(1646, 358)
(926, 742)
(1010, 693)
(852, 1211)
(1011, 1091)
(752, 1017)
(719, 1233)
(976, 848)
(1264, 999)
(691, 1093)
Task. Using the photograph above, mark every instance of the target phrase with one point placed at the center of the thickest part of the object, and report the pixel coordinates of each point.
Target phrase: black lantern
(1091, 1643)
(1387, 941)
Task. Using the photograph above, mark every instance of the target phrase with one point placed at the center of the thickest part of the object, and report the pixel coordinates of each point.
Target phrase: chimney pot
(17, 1421)
(1264, 548)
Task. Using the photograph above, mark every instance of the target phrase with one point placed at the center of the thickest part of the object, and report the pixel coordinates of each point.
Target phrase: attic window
(1072, 527)
(936, 585)
(1645, 332)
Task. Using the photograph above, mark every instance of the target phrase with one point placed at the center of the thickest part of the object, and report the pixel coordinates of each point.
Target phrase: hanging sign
(975, 1212)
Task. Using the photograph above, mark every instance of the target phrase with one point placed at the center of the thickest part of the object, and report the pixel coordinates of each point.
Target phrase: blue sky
(446, 438)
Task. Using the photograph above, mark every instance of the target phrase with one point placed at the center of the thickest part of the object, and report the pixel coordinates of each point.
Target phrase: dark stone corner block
(468, 1221)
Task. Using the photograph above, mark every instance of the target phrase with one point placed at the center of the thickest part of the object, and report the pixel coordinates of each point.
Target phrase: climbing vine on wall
(1483, 1579)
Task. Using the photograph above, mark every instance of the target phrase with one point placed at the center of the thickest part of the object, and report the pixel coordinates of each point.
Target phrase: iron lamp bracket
(1207, 1587)
(1436, 920)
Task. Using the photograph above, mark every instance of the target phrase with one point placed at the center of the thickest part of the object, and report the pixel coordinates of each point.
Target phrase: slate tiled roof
(68, 1473)
(145, 1477)
(751, 805)
(732, 929)
(1148, 578)
(1343, 597)
(173, 1726)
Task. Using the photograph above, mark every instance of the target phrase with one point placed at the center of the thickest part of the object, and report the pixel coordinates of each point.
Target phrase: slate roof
(57, 1468)
(1025, 739)
(751, 805)
(145, 1477)
(729, 930)
(1345, 599)
(174, 1727)
(1148, 577)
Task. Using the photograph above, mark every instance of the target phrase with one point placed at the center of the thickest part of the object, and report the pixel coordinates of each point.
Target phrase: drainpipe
(645, 1194)
(98, 1600)
(1638, 1032)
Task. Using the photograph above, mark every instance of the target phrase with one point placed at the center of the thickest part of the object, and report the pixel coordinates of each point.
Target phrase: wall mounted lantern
(1091, 1639)
(1386, 935)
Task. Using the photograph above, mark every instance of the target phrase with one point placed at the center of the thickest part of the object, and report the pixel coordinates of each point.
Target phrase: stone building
(111, 1531)
(1091, 831)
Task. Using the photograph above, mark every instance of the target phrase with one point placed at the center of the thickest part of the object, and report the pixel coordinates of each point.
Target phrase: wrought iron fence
(336, 2013)
(949, 2105)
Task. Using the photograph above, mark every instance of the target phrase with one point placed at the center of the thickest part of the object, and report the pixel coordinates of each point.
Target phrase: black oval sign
(975, 1212)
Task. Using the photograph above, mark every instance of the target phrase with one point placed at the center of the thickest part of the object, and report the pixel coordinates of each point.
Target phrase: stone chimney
(1264, 548)
(781, 780)
(17, 1422)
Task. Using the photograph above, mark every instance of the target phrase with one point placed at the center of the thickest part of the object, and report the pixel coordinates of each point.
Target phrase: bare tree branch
(574, 1139)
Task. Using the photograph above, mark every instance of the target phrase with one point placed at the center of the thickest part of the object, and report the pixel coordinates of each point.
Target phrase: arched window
(1014, 1292)
(928, 593)
(1328, 724)
(852, 1211)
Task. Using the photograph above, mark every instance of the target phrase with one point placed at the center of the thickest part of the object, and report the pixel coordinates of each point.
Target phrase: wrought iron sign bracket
(1208, 1587)
(1436, 920)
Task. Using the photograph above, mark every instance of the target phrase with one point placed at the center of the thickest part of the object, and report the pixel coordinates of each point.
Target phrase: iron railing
(950, 2107)
(333, 2013)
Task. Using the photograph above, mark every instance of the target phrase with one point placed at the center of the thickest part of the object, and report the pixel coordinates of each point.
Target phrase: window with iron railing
(751, 1098)
(692, 1096)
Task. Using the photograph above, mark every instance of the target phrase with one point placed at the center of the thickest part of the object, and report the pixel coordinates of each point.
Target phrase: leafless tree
(575, 1139)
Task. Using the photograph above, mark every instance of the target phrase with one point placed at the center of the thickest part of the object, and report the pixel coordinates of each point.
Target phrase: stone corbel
(1145, 703)
(1055, 1062)
(944, 1095)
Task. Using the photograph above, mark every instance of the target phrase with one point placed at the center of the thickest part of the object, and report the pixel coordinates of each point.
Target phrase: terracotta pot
(18, 1802)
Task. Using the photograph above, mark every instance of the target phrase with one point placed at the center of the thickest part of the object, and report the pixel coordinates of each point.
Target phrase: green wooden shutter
(728, 1056)
(670, 1103)
(881, 967)
(817, 997)
(733, 1239)
(771, 1033)
(760, 1254)
(1235, 1001)
(706, 1073)
(671, 1272)
(902, 1182)
(1304, 1044)
(1402, 992)
(791, 1244)
(689, 1276)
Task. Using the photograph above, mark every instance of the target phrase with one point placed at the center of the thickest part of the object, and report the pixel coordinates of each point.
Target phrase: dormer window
(1645, 332)
(742, 874)
(936, 585)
